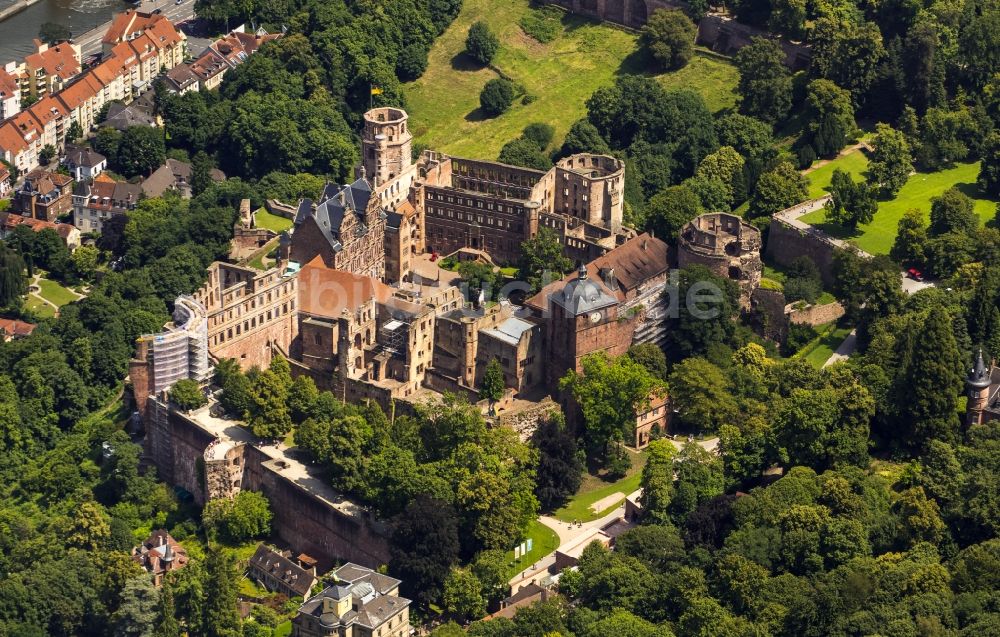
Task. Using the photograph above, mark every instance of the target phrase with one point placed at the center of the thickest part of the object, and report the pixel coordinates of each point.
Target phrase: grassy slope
(709, 74)
(594, 489)
(877, 237)
(562, 74)
(544, 541)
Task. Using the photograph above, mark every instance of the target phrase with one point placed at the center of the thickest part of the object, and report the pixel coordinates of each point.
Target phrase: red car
(915, 274)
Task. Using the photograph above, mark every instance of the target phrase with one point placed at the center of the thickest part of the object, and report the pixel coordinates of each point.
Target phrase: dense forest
(883, 517)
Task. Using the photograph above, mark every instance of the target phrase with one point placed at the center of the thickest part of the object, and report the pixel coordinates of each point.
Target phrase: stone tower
(385, 145)
(978, 383)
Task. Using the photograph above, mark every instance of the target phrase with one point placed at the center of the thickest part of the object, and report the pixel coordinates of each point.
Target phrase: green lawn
(711, 75)
(40, 307)
(855, 163)
(822, 347)
(594, 489)
(283, 629)
(278, 224)
(52, 291)
(877, 237)
(543, 541)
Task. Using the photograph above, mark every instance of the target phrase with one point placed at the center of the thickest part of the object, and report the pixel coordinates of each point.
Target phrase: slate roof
(335, 204)
(351, 573)
(83, 156)
(292, 576)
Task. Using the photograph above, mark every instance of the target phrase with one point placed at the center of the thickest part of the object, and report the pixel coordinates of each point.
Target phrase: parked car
(915, 274)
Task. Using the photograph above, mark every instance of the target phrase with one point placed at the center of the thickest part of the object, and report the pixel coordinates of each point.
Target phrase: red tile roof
(11, 140)
(13, 327)
(59, 60)
(8, 85)
(79, 92)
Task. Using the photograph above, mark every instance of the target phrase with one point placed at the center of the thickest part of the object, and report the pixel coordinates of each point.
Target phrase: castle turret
(978, 382)
(385, 144)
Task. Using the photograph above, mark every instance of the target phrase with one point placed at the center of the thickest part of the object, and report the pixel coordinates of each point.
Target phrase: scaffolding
(394, 336)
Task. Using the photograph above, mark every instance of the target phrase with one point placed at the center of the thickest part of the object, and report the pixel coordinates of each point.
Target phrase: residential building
(44, 195)
(50, 68)
(102, 198)
(174, 175)
(141, 112)
(279, 573)
(360, 607)
(346, 229)
(132, 25)
(5, 182)
(83, 163)
(10, 92)
(11, 329)
(160, 554)
(83, 100)
(224, 54)
(15, 149)
(181, 79)
(68, 233)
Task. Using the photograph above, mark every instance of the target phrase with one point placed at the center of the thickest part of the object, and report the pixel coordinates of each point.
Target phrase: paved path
(844, 350)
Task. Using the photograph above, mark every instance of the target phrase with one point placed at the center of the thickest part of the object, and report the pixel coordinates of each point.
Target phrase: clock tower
(583, 320)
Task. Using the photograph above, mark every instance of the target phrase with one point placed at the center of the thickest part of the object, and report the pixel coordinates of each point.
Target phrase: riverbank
(17, 7)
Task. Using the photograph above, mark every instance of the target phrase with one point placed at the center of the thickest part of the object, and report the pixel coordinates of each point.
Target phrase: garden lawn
(709, 74)
(594, 489)
(275, 223)
(40, 307)
(878, 236)
(543, 541)
(561, 75)
(57, 294)
(822, 347)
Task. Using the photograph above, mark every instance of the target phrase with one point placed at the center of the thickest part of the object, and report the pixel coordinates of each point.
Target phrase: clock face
(595, 317)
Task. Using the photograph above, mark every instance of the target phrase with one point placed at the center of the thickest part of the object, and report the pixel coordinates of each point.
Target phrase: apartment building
(10, 92)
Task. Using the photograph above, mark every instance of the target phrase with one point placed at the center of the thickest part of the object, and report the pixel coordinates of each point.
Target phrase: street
(90, 42)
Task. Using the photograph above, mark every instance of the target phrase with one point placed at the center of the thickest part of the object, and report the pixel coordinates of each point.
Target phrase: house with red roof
(50, 68)
(10, 92)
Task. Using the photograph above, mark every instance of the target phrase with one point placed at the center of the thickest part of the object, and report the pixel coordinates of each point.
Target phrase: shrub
(542, 24)
(497, 96)
(541, 134)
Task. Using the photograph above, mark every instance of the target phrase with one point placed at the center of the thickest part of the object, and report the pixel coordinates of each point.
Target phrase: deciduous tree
(481, 44)
(669, 37)
(765, 86)
(891, 162)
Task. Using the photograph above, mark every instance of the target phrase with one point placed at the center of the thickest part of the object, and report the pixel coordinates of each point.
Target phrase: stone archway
(637, 13)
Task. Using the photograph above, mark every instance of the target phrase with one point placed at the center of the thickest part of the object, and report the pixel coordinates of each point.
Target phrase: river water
(17, 32)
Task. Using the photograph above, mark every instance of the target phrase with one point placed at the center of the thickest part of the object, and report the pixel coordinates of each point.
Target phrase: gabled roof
(59, 60)
(83, 156)
(13, 327)
(292, 576)
(638, 259)
(8, 85)
(48, 110)
(80, 92)
(335, 203)
(11, 140)
(326, 293)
